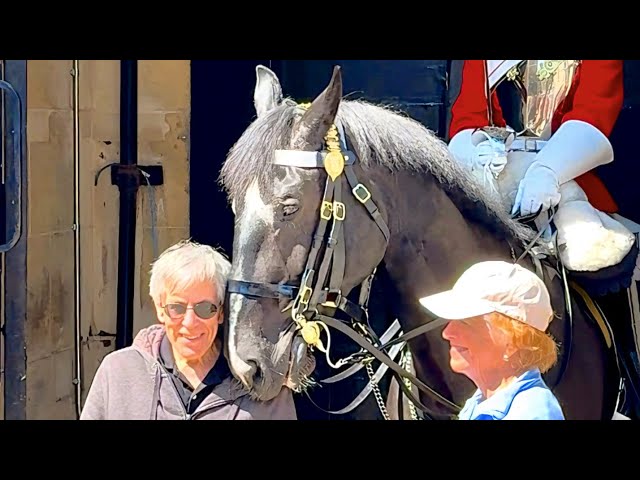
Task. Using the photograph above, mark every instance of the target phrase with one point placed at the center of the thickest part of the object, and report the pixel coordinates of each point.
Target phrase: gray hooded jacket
(131, 384)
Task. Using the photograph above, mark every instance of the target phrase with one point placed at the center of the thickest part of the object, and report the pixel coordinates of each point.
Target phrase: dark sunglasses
(203, 310)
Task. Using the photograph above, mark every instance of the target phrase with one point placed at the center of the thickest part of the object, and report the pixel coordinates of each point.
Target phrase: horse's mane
(379, 136)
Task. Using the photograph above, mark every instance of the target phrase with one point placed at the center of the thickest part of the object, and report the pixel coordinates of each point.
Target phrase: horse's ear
(268, 92)
(320, 115)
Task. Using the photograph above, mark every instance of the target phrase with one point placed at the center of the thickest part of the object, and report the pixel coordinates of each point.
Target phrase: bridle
(313, 294)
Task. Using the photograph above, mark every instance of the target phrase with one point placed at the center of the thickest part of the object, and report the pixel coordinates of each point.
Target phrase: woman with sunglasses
(176, 369)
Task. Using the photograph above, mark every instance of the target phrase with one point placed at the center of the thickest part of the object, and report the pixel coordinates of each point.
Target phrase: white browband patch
(298, 158)
(304, 159)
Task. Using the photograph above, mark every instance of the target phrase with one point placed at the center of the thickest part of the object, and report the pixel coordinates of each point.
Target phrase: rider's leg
(588, 239)
(623, 312)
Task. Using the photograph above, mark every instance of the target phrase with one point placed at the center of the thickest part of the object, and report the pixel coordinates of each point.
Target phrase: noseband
(313, 294)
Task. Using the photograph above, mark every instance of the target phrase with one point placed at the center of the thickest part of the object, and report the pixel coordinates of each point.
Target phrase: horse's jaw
(290, 365)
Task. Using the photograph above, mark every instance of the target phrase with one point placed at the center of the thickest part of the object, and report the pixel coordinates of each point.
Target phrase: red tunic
(596, 97)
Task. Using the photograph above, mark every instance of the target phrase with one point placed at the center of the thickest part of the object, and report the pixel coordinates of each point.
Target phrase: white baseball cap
(495, 286)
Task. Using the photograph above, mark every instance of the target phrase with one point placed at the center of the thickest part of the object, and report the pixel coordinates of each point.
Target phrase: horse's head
(276, 175)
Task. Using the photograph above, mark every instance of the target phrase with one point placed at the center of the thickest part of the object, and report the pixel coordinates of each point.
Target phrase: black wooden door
(417, 87)
(13, 228)
(221, 109)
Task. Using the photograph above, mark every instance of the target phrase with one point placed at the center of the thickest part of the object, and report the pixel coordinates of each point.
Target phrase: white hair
(185, 264)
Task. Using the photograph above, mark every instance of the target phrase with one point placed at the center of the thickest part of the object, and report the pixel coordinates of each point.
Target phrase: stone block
(38, 125)
(49, 84)
(105, 85)
(61, 276)
(164, 85)
(38, 298)
(50, 187)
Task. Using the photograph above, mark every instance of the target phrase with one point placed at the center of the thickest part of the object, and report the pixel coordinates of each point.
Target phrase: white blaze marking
(254, 210)
(235, 361)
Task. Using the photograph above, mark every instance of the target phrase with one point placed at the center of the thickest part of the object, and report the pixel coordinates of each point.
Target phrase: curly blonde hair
(534, 347)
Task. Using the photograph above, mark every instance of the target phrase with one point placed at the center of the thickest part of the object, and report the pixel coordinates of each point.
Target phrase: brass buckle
(339, 210)
(528, 142)
(333, 298)
(366, 194)
(325, 210)
(305, 295)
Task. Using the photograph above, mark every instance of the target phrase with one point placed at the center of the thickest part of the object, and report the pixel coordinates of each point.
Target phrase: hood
(148, 340)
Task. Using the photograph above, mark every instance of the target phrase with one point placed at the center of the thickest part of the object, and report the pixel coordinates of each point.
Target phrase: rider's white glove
(576, 148)
(538, 188)
(480, 153)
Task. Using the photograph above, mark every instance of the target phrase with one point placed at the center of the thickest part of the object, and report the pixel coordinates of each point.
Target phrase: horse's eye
(290, 206)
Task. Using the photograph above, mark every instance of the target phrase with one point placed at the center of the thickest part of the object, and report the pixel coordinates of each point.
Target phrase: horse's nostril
(256, 370)
(253, 364)
(245, 370)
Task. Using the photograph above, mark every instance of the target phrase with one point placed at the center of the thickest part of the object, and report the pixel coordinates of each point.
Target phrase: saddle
(568, 288)
(603, 281)
(607, 299)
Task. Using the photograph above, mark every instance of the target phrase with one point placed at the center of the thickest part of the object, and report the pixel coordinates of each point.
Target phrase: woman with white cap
(499, 313)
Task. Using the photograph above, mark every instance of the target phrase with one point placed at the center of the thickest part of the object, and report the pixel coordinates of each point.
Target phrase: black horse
(406, 208)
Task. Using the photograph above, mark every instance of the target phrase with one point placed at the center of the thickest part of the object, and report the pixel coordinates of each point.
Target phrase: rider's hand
(491, 155)
(538, 188)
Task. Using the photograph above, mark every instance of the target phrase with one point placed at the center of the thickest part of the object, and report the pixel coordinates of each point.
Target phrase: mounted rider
(533, 132)
(554, 118)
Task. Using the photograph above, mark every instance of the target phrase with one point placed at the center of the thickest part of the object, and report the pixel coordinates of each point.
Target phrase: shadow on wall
(221, 109)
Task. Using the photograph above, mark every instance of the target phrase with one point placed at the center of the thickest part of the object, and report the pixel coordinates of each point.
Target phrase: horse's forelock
(251, 158)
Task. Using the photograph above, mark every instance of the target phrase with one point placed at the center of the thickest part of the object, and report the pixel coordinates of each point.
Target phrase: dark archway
(221, 109)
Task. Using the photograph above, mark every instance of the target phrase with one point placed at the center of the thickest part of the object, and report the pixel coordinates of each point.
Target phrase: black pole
(128, 183)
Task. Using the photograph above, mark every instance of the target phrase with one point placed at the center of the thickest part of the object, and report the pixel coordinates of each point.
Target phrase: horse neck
(432, 241)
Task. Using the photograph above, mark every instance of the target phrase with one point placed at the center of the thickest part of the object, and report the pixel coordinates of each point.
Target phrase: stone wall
(162, 219)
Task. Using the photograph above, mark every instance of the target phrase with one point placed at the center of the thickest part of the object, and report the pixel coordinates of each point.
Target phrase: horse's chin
(290, 365)
(301, 365)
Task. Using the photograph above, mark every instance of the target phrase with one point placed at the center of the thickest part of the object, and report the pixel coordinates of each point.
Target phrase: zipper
(185, 414)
